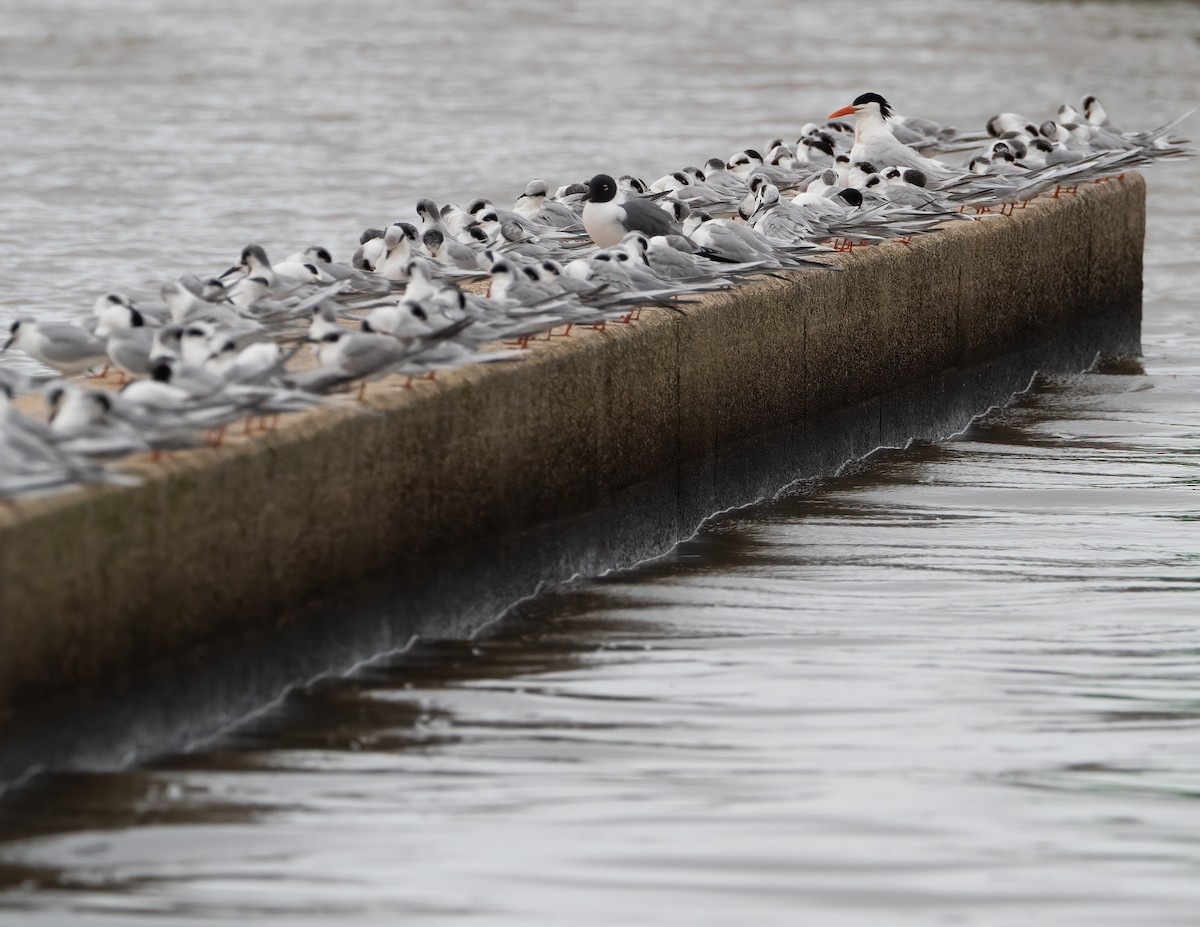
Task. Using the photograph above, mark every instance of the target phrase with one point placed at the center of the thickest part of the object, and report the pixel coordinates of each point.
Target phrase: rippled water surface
(957, 684)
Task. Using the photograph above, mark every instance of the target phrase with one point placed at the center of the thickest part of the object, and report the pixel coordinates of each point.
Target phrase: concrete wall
(98, 583)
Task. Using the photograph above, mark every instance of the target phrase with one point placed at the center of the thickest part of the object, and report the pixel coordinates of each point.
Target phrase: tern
(68, 349)
(875, 143)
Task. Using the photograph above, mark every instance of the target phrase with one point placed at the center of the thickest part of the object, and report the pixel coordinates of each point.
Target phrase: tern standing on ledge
(875, 144)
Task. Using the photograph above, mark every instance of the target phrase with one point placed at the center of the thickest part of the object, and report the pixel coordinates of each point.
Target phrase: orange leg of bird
(430, 375)
(362, 390)
(566, 331)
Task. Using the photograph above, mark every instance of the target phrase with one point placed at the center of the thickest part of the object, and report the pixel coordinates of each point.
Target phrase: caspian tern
(875, 143)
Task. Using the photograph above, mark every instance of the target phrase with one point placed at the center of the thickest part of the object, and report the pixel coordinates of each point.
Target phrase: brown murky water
(959, 684)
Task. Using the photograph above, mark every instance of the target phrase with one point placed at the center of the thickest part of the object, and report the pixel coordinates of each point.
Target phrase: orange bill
(844, 111)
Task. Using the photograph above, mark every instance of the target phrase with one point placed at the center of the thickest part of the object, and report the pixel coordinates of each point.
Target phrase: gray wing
(130, 348)
(365, 355)
(643, 216)
(731, 245)
(68, 343)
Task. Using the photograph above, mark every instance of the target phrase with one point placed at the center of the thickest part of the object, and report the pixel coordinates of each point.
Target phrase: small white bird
(69, 349)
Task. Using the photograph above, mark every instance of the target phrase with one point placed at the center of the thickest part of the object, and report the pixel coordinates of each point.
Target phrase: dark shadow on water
(449, 606)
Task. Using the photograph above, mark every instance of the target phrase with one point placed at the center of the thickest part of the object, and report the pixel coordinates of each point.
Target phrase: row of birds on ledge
(420, 297)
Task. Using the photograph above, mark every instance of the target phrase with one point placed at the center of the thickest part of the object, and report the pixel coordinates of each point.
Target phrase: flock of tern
(264, 338)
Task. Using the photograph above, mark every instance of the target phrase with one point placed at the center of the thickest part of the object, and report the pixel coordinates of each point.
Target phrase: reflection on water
(956, 684)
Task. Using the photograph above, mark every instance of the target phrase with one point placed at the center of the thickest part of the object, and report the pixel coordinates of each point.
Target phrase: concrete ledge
(97, 583)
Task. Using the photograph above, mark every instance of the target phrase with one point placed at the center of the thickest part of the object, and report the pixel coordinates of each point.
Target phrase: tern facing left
(875, 143)
(609, 214)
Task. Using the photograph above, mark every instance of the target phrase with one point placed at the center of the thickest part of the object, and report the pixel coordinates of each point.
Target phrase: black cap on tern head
(601, 189)
(161, 372)
(851, 196)
(914, 177)
(12, 336)
(256, 252)
(823, 145)
(369, 234)
(865, 98)
(433, 239)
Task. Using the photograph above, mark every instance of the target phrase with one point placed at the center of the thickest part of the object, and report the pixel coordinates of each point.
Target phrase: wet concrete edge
(97, 584)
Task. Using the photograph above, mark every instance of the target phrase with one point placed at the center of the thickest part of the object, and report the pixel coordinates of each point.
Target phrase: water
(958, 684)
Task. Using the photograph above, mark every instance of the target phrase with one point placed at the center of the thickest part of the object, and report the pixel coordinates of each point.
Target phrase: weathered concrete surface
(97, 583)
